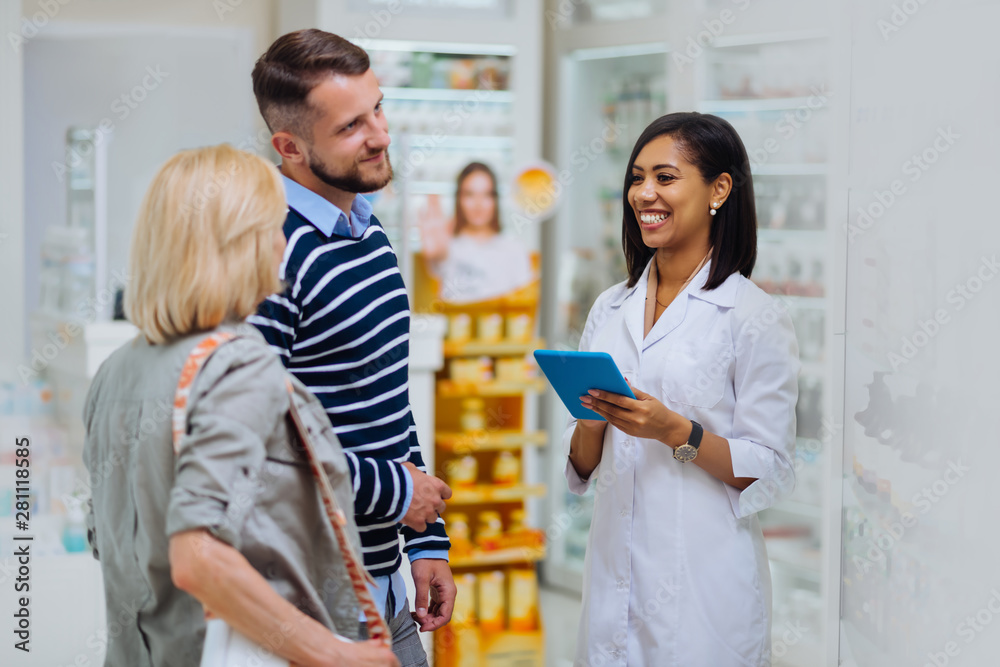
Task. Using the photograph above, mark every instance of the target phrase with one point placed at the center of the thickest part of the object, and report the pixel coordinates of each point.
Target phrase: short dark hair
(295, 64)
(460, 220)
(713, 146)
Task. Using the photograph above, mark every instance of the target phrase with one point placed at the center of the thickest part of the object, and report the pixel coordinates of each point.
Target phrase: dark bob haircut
(712, 145)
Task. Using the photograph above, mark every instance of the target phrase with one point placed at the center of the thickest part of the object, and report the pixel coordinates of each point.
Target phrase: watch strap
(696, 434)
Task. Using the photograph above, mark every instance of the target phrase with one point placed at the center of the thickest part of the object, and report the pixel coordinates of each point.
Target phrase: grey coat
(240, 474)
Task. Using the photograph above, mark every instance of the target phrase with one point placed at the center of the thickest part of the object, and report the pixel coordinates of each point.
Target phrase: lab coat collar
(634, 302)
(626, 292)
(634, 298)
(634, 312)
(724, 295)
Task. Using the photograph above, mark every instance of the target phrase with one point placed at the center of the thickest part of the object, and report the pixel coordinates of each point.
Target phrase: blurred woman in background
(468, 254)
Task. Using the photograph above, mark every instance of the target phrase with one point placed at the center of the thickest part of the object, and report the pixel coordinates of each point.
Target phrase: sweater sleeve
(382, 487)
(434, 538)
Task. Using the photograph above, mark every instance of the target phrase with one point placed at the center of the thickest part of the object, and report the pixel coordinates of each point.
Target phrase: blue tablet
(572, 374)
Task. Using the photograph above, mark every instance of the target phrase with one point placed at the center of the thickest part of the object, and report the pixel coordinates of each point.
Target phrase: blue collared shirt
(329, 219)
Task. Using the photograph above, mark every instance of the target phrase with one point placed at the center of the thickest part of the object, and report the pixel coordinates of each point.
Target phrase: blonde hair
(203, 245)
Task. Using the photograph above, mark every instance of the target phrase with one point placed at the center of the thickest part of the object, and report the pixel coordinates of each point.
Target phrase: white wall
(83, 58)
(78, 62)
(923, 84)
(160, 89)
(11, 193)
(257, 15)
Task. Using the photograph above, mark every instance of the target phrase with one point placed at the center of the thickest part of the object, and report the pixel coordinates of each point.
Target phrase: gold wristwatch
(689, 450)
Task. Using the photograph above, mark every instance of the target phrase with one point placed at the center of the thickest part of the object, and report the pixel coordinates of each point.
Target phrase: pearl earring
(712, 210)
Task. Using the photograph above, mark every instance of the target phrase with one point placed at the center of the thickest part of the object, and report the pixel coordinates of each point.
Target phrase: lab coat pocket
(695, 373)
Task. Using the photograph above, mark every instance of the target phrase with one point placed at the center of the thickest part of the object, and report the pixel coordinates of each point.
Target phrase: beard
(352, 179)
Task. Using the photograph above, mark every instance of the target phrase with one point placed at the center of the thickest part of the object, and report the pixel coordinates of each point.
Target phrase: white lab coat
(676, 570)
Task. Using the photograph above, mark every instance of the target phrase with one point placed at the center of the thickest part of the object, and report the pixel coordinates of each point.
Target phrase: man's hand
(429, 494)
(433, 576)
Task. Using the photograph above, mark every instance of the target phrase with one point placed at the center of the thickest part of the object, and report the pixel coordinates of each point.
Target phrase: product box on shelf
(470, 646)
(484, 423)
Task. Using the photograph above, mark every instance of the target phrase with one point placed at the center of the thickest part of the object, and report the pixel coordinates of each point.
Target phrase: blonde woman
(231, 525)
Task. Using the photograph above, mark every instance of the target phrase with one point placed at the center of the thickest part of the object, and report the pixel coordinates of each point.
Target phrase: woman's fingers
(593, 405)
(614, 403)
(621, 418)
(607, 396)
(609, 411)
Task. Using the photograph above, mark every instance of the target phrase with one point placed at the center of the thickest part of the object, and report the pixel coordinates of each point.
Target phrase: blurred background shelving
(448, 104)
(774, 89)
(827, 108)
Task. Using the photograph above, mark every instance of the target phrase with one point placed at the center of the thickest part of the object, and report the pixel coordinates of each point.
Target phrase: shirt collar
(324, 215)
(724, 295)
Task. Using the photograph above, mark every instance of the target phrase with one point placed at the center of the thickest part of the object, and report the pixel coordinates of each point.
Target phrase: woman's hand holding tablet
(573, 374)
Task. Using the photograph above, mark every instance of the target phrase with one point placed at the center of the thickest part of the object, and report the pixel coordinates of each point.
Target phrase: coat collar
(626, 292)
(633, 299)
(724, 295)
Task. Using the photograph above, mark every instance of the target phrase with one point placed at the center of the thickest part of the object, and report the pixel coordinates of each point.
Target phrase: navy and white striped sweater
(342, 327)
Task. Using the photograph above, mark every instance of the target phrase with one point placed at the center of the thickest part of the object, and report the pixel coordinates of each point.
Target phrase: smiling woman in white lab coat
(676, 571)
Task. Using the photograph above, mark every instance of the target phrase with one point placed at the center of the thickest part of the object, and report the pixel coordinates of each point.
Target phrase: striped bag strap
(377, 628)
(360, 579)
(199, 355)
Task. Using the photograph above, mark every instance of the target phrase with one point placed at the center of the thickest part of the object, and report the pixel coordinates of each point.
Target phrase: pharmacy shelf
(801, 302)
(488, 493)
(442, 188)
(813, 369)
(798, 509)
(449, 95)
(510, 556)
(471, 142)
(788, 555)
(754, 104)
(524, 299)
(483, 348)
(452, 389)
(763, 39)
(488, 441)
(807, 652)
(802, 571)
(459, 48)
(429, 187)
(768, 235)
(790, 169)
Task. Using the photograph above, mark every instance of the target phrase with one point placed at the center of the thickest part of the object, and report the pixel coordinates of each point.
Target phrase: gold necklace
(702, 263)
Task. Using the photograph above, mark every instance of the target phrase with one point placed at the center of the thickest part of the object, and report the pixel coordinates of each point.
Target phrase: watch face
(685, 453)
